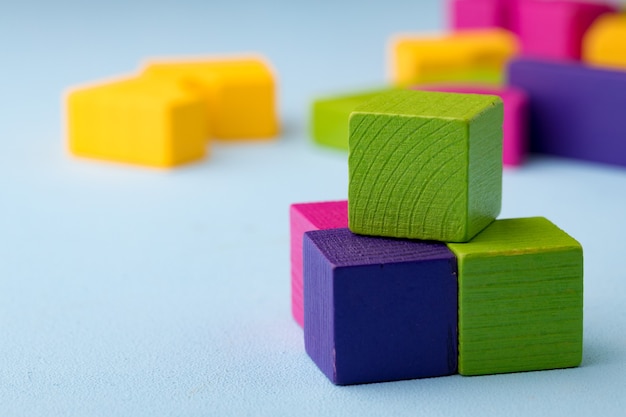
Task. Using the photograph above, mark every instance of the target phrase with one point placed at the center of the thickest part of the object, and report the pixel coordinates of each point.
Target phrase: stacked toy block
(425, 165)
(379, 309)
(304, 218)
(425, 281)
(164, 116)
(520, 298)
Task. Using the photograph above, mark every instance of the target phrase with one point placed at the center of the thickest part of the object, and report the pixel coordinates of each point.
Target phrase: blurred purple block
(576, 111)
(379, 309)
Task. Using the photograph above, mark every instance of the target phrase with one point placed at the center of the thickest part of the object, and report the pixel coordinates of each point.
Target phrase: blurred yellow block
(468, 55)
(604, 43)
(240, 93)
(138, 121)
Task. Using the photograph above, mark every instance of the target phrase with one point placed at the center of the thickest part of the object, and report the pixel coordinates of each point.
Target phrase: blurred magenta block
(379, 309)
(515, 136)
(304, 217)
(474, 14)
(555, 29)
(575, 111)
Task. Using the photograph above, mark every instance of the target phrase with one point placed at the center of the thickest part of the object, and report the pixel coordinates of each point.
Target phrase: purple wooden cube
(379, 309)
(576, 111)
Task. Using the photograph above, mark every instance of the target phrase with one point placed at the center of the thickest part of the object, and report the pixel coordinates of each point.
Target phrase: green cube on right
(520, 298)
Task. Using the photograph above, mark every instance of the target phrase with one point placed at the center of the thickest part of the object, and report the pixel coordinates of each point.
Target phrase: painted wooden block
(576, 111)
(240, 93)
(604, 44)
(555, 29)
(379, 309)
(470, 55)
(515, 101)
(138, 121)
(476, 14)
(425, 165)
(329, 118)
(304, 217)
(520, 298)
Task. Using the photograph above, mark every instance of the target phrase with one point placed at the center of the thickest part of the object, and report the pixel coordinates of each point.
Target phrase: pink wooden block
(555, 29)
(515, 129)
(305, 217)
(471, 14)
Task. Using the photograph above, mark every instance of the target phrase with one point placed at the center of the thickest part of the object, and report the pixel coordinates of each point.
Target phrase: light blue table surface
(136, 292)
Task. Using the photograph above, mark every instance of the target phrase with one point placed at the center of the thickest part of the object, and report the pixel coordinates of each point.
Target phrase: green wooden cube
(425, 165)
(520, 298)
(330, 116)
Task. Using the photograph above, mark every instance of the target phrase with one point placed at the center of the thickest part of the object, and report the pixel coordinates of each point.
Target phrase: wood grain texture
(425, 165)
(304, 217)
(603, 43)
(330, 116)
(379, 309)
(139, 121)
(520, 298)
(470, 55)
(555, 29)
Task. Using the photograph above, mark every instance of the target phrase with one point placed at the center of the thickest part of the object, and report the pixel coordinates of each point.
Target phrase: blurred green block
(330, 115)
(520, 298)
(425, 165)
(476, 76)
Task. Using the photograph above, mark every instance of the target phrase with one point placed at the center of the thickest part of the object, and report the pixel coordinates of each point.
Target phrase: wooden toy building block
(306, 217)
(425, 165)
(379, 309)
(139, 121)
(555, 29)
(576, 111)
(515, 100)
(239, 93)
(520, 298)
(329, 119)
(604, 44)
(471, 55)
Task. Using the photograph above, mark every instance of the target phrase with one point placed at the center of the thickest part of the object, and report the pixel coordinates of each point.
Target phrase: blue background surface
(131, 291)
